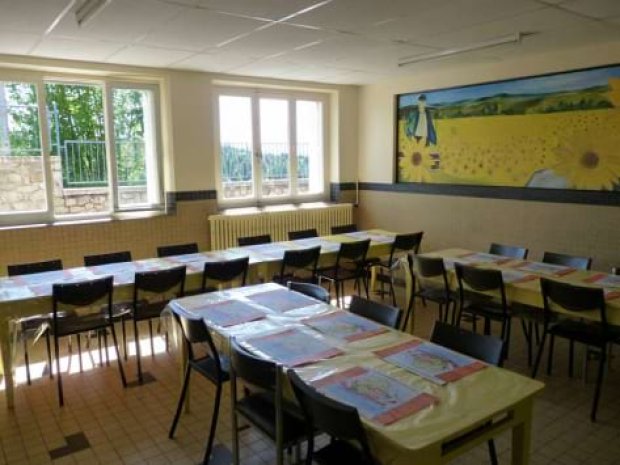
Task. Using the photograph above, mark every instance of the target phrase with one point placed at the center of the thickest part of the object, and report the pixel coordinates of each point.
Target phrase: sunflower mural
(559, 131)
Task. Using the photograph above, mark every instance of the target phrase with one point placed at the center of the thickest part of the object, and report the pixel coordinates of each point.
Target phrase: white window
(271, 147)
(73, 149)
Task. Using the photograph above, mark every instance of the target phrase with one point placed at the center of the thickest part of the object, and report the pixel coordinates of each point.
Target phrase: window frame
(291, 96)
(39, 79)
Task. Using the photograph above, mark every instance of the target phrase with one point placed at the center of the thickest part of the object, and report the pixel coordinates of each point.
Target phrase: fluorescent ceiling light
(88, 10)
(510, 39)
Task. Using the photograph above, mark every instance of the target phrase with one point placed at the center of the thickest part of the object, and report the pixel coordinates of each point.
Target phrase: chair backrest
(302, 259)
(352, 253)
(429, 267)
(511, 251)
(474, 281)
(254, 370)
(35, 267)
(376, 311)
(489, 349)
(406, 243)
(327, 415)
(82, 294)
(107, 258)
(177, 249)
(580, 263)
(226, 271)
(311, 290)
(345, 228)
(254, 240)
(573, 298)
(160, 282)
(615, 270)
(303, 234)
(195, 331)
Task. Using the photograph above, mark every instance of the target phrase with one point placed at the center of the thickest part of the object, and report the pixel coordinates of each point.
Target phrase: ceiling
(337, 41)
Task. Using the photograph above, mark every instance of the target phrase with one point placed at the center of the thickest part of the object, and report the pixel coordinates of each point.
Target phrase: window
(271, 147)
(77, 149)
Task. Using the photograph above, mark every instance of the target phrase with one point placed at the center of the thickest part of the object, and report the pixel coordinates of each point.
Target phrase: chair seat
(339, 453)
(259, 409)
(586, 333)
(149, 310)
(80, 324)
(206, 367)
(296, 278)
(489, 310)
(120, 310)
(435, 294)
(341, 274)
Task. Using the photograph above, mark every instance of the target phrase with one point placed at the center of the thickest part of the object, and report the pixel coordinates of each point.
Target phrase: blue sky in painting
(535, 85)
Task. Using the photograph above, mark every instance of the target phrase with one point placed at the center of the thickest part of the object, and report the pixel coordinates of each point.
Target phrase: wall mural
(557, 131)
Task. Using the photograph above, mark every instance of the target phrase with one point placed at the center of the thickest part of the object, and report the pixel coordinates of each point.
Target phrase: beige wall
(189, 151)
(473, 222)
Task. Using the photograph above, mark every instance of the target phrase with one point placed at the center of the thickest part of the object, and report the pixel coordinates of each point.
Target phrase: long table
(467, 413)
(31, 294)
(522, 283)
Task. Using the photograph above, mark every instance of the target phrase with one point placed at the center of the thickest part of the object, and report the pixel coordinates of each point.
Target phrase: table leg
(7, 361)
(522, 436)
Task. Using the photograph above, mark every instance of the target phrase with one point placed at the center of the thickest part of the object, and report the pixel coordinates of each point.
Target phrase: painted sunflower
(414, 161)
(590, 161)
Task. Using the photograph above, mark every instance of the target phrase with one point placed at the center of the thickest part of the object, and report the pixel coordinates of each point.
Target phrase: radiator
(277, 221)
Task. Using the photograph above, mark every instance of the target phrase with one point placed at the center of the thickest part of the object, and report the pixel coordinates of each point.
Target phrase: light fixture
(88, 10)
(509, 39)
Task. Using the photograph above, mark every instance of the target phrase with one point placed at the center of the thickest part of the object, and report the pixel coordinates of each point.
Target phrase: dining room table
(419, 402)
(27, 295)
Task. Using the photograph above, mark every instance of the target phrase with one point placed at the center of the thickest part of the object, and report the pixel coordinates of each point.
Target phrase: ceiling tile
(599, 9)
(216, 62)
(75, 49)
(16, 43)
(148, 56)
(120, 20)
(272, 9)
(197, 30)
(30, 15)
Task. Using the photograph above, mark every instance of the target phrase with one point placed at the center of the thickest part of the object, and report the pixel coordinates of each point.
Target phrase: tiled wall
(140, 236)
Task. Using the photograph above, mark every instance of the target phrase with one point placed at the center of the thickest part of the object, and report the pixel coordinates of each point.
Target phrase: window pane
(236, 147)
(274, 138)
(309, 147)
(136, 153)
(77, 138)
(22, 178)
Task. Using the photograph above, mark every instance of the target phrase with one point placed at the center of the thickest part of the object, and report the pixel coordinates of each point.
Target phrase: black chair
(177, 249)
(224, 272)
(263, 405)
(31, 326)
(148, 286)
(120, 310)
(573, 301)
(82, 295)
(349, 444)
(482, 294)
(299, 265)
(489, 349)
(511, 251)
(350, 266)
(376, 311)
(212, 366)
(579, 263)
(403, 244)
(303, 234)
(254, 240)
(311, 290)
(615, 270)
(430, 277)
(346, 228)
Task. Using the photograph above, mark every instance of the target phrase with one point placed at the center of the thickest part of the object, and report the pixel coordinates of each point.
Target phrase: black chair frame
(299, 260)
(177, 249)
(302, 234)
(378, 312)
(224, 271)
(254, 240)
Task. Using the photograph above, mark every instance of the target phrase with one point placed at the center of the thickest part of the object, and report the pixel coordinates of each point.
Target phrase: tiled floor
(104, 423)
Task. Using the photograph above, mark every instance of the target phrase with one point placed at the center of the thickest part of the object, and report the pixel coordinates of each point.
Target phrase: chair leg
(492, 452)
(234, 422)
(124, 335)
(26, 358)
(541, 347)
(527, 333)
(48, 346)
(337, 286)
(550, 355)
(61, 399)
(99, 348)
(79, 344)
(571, 357)
(137, 343)
(177, 414)
(151, 337)
(118, 355)
(599, 382)
(392, 290)
(216, 410)
(106, 348)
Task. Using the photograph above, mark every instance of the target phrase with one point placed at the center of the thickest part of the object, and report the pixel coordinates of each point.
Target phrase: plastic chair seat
(340, 452)
(80, 324)
(585, 333)
(149, 310)
(259, 409)
(206, 367)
